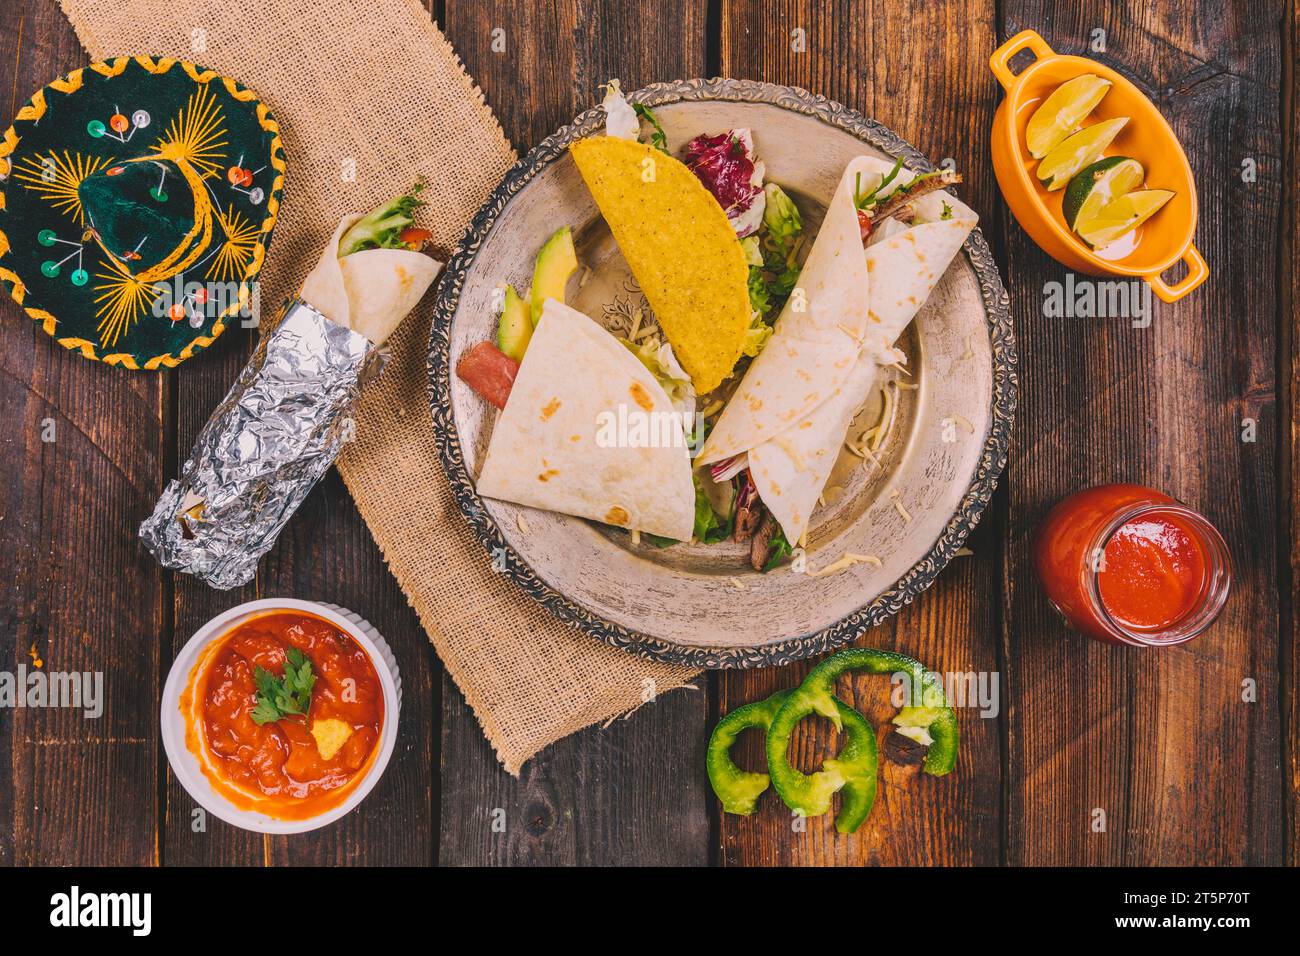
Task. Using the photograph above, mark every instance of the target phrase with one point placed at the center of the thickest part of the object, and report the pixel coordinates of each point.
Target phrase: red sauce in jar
(1152, 572)
(1129, 565)
(281, 768)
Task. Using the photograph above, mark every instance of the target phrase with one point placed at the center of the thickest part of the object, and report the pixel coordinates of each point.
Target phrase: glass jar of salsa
(1129, 565)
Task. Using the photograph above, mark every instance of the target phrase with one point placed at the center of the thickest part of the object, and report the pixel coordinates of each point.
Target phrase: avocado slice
(515, 327)
(555, 263)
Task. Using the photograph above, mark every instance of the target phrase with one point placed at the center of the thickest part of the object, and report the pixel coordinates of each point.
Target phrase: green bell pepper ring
(852, 771)
(739, 789)
(927, 715)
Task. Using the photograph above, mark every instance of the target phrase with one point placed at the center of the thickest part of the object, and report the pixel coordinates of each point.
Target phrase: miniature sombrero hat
(137, 199)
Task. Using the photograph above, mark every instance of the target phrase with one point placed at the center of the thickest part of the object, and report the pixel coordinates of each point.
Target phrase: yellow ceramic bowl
(1157, 244)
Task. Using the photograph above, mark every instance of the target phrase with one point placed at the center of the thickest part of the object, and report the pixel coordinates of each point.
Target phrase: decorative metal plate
(701, 605)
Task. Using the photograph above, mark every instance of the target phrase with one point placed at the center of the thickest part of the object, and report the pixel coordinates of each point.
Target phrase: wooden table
(1184, 769)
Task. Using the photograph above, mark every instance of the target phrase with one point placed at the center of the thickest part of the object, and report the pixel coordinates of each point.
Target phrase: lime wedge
(1062, 112)
(1077, 151)
(1098, 184)
(1121, 216)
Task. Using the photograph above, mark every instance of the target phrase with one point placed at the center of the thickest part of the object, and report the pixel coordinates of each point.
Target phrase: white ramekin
(186, 765)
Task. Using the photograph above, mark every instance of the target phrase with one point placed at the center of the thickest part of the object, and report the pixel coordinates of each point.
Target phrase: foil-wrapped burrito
(283, 423)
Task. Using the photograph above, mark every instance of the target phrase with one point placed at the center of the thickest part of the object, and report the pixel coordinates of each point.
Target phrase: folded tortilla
(588, 431)
(793, 408)
(369, 291)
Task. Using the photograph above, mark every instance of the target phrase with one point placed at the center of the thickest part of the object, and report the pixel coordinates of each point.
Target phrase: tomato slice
(414, 237)
(864, 225)
(489, 371)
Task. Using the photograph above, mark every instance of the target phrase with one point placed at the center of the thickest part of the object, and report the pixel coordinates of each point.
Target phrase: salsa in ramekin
(285, 713)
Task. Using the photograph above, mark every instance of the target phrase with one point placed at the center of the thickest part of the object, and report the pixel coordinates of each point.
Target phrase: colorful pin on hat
(137, 200)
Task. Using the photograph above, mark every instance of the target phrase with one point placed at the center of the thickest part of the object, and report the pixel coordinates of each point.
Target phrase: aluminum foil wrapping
(273, 436)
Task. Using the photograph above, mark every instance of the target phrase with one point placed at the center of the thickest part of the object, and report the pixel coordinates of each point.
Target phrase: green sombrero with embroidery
(137, 200)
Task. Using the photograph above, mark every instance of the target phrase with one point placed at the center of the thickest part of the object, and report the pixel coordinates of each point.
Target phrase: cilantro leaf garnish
(658, 139)
(280, 697)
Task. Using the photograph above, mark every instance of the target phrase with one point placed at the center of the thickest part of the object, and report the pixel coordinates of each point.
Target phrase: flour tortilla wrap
(792, 410)
(588, 431)
(369, 291)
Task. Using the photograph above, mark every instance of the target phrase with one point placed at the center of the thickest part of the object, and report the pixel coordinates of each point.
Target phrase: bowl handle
(1024, 40)
(1197, 272)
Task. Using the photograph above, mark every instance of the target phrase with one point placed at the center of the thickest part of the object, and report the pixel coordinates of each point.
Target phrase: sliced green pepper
(739, 789)
(853, 771)
(928, 709)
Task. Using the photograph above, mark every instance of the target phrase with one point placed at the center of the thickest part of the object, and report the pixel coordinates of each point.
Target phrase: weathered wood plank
(631, 793)
(324, 554)
(1161, 741)
(331, 557)
(1289, 342)
(904, 66)
(78, 590)
(191, 837)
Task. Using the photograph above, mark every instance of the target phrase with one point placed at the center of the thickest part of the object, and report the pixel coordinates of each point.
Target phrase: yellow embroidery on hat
(71, 83)
(232, 259)
(196, 134)
(55, 179)
(122, 298)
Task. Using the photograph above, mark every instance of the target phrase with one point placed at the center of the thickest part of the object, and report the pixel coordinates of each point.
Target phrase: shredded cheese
(887, 415)
(738, 584)
(847, 561)
(521, 523)
(894, 493)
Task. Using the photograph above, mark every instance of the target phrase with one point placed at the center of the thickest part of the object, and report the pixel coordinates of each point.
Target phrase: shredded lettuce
(658, 358)
(759, 300)
(710, 527)
(620, 118)
(781, 217)
(773, 261)
(623, 119)
(382, 228)
(784, 277)
(758, 333)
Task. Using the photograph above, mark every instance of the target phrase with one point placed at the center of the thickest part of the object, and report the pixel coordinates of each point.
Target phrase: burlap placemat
(367, 96)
